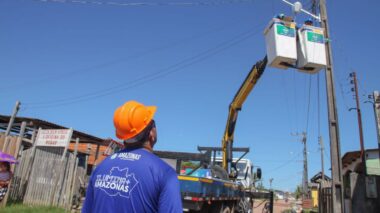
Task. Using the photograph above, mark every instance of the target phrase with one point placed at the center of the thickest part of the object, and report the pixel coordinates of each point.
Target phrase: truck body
(203, 188)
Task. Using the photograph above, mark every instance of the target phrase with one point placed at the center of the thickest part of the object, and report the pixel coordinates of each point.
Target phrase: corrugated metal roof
(373, 165)
(350, 157)
(38, 123)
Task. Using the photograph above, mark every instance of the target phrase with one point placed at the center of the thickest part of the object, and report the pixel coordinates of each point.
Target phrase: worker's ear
(153, 136)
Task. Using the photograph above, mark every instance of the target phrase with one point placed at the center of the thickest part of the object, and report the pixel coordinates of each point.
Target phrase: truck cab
(245, 173)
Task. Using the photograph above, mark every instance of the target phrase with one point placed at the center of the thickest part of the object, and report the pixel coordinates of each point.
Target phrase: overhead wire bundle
(140, 3)
(148, 77)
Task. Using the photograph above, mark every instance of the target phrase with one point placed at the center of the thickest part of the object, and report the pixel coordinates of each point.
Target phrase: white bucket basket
(280, 38)
(311, 49)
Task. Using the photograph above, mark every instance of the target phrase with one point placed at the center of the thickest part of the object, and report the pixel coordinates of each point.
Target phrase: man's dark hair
(140, 138)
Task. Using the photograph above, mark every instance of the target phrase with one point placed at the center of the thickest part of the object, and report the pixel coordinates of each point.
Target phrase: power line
(308, 106)
(365, 94)
(148, 3)
(285, 95)
(341, 86)
(95, 68)
(318, 105)
(295, 100)
(284, 164)
(148, 77)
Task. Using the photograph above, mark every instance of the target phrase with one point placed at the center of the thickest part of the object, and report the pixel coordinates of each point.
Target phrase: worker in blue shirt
(134, 179)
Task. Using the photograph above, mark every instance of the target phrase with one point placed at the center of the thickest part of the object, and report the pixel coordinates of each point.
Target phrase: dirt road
(279, 206)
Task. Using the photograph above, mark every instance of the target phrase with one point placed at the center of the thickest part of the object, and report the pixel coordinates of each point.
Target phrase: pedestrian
(5, 178)
(134, 179)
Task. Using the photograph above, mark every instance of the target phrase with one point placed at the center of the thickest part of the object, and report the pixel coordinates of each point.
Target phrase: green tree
(298, 192)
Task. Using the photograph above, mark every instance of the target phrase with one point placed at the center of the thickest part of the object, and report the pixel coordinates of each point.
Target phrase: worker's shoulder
(157, 163)
(137, 157)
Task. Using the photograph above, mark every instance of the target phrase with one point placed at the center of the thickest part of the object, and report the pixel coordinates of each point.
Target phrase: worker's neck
(148, 147)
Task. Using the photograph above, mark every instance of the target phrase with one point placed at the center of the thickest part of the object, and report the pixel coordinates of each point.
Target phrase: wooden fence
(45, 175)
(10, 145)
(20, 177)
(51, 178)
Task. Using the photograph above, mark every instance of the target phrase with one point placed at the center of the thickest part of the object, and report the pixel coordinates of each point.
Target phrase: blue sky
(74, 64)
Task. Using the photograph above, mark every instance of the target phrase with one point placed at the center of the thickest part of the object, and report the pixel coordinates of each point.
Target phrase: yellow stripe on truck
(205, 180)
(188, 178)
(227, 184)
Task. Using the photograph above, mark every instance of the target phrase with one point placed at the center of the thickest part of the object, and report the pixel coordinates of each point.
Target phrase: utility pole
(320, 141)
(354, 81)
(336, 162)
(12, 119)
(270, 183)
(10, 124)
(305, 179)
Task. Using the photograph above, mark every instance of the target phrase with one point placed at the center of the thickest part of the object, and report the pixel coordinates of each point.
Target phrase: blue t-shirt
(133, 181)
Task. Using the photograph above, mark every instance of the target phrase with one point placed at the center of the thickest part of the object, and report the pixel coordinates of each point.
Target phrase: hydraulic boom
(235, 106)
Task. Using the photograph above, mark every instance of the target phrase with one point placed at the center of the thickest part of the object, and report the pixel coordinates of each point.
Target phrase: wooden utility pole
(336, 162)
(354, 81)
(320, 141)
(305, 179)
(9, 127)
(12, 119)
(270, 183)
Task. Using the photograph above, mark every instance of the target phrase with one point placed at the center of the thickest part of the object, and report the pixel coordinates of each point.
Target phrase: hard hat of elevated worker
(131, 119)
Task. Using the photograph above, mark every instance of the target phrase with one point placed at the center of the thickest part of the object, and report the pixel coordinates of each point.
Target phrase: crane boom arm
(235, 106)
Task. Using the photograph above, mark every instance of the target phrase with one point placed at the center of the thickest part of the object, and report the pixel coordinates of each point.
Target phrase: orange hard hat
(132, 118)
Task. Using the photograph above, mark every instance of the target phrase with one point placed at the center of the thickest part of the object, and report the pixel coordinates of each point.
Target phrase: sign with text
(54, 137)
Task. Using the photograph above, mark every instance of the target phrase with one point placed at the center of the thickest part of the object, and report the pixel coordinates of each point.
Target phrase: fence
(20, 177)
(10, 145)
(44, 175)
(53, 179)
(325, 205)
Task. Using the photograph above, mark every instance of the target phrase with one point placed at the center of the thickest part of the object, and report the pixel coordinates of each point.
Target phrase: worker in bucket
(134, 179)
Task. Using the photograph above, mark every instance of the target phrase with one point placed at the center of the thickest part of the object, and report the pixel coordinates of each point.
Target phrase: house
(314, 186)
(361, 181)
(91, 149)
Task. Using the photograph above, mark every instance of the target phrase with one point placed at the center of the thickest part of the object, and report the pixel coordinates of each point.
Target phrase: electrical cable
(365, 94)
(148, 77)
(295, 100)
(141, 4)
(285, 94)
(284, 164)
(308, 107)
(346, 61)
(95, 68)
(318, 106)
